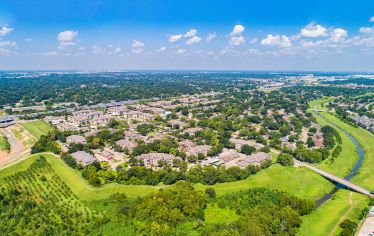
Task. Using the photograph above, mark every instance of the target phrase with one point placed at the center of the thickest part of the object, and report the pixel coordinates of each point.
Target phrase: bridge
(336, 179)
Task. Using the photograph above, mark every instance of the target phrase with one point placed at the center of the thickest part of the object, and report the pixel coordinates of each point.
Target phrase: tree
(248, 150)
(211, 193)
(285, 159)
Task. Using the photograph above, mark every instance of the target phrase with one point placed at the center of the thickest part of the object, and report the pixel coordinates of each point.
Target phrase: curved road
(17, 150)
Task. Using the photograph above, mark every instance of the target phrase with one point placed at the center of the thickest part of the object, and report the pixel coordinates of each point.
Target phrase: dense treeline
(140, 175)
(261, 211)
(85, 88)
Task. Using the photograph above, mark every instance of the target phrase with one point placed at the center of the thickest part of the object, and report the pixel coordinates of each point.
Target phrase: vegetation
(36, 201)
(4, 144)
(37, 128)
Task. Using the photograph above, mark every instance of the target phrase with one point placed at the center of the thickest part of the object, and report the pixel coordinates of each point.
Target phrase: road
(17, 151)
(336, 179)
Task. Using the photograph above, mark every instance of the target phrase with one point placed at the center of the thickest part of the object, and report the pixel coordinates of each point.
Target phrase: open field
(324, 220)
(23, 135)
(300, 182)
(37, 128)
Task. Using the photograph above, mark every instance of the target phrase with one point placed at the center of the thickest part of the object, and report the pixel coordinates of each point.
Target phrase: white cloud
(29, 40)
(67, 36)
(371, 19)
(237, 30)
(276, 40)
(367, 30)
(117, 50)
(7, 44)
(137, 44)
(5, 30)
(338, 35)
(195, 39)
(313, 30)
(191, 33)
(236, 37)
(96, 49)
(50, 54)
(181, 51)
(137, 50)
(174, 38)
(161, 49)
(210, 37)
(237, 40)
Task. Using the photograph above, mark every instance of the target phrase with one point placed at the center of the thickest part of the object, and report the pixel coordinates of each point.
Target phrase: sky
(300, 35)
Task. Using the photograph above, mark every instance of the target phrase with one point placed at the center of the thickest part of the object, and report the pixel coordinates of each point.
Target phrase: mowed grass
(300, 182)
(323, 220)
(214, 215)
(37, 128)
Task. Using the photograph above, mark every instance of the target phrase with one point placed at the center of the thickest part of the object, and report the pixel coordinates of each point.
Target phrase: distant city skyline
(187, 35)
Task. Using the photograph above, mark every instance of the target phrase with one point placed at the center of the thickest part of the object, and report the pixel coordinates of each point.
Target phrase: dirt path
(333, 231)
(17, 149)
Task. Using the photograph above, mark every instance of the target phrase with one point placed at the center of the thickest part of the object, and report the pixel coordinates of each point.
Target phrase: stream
(355, 168)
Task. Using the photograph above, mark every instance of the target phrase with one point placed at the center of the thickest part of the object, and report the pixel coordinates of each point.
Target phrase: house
(196, 150)
(54, 120)
(76, 139)
(240, 142)
(67, 127)
(254, 159)
(117, 111)
(154, 159)
(228, 155)
(83, 158)
(132, 134)
(127, 144)
(100, 121)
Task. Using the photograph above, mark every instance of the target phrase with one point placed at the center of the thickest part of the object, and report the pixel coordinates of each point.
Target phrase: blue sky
(207, 34)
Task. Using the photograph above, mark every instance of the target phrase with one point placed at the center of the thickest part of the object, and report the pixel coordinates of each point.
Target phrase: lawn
(37, 128)
(323, 220)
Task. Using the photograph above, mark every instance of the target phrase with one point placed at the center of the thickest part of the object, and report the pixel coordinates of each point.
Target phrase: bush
(285, 159)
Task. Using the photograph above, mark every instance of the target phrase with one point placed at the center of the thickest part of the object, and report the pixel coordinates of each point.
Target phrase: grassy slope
(296, 181)
(37, 128)
(305, 183)
(323, 220)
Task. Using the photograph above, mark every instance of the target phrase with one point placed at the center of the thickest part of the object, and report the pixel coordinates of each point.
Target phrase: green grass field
(300, 182)
(214, 215)
(37, 128)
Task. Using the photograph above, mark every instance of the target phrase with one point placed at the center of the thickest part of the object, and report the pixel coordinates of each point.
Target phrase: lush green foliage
(36, 201)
